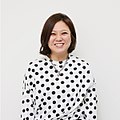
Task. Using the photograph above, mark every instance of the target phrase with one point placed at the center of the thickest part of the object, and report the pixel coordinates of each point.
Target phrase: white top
(59, 90)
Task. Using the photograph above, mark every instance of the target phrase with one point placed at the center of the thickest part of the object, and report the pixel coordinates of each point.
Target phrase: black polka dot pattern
(69, 96)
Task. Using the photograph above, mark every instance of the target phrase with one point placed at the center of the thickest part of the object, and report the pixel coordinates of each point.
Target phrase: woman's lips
(59, 44)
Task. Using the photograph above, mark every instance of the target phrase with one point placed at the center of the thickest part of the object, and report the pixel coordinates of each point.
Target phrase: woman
(58, 85)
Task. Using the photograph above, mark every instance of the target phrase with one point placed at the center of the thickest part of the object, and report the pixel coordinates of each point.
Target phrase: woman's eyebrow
(60, 30)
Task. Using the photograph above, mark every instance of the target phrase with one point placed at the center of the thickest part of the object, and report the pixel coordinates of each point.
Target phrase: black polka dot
(67, 85)
(53, 92)
(41, 76)
(37, 97)
(33, 70)
(45, 63)
(37, 82)
(73, 89)
(80, 72)
(66, 69)
(49, 116)
(23, 110)
(46, 72)
(72, 99)
(75, 68)
(52, 83)
(73, 61)
(60, 62)
(47, 80)
(62, 82)
(61, 74)
(68, 95)
(31, 114)
(30, 63)
(29, 69)
(49, 107)
(51, 67)
(84, 76)
(27, 100)
(71, 73)
(83, 86)
(63, 100)
(59, 106)
(88, 72)
(39, 91)
(49, 98)
(31, 83)
(51, 75)
(63, 91)
(45, 112)
(56, 79)
(81, 80)
(87, 107)
(77, 85)
(48, 88)
(90, 112)
(54, 102)
(69, 108)
(67, 104)
(58, 96)
(62, 110)
(66, 77)
(60, 66)
(78, 64)
(41, 68)
(76, 76)
(44, 103)
(42, 99)
(36, 73)
(30, 76)
(84, 67)
(88, 81)
(42, 85)
(70, 65)
(36, 65)
(58, 87)
(72, 81)
(54, 111)
(78, 99)
(57, 114)
(94, 117)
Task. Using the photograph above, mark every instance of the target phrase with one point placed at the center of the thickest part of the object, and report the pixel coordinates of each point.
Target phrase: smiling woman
(60, 40)
(58, 29)
(58, 85)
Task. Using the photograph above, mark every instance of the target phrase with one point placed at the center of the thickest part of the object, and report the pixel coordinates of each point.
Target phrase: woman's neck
(58, 57)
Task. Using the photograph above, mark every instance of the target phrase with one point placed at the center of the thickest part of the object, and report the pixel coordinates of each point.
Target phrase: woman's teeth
(59, 44)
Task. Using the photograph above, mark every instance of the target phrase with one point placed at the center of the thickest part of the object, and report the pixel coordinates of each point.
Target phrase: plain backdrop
(97, 24)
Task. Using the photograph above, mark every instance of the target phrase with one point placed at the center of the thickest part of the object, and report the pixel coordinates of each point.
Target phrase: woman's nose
(58, 37)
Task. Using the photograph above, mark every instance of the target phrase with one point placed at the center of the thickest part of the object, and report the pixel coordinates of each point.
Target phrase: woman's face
(60, 39)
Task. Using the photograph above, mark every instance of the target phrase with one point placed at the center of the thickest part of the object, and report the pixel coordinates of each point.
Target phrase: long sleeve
(90, 103)
(28, 101)
(87, 109)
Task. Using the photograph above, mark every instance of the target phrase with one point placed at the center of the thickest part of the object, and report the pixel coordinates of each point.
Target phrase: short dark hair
(48, 27)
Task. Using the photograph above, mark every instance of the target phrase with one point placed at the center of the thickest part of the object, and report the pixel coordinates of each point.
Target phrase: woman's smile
(59, 45)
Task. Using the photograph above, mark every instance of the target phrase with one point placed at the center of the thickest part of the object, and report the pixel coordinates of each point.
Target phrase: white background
(97, 24)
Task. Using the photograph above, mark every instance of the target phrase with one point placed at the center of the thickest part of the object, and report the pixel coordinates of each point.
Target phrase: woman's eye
(52, 33)
(64, 33)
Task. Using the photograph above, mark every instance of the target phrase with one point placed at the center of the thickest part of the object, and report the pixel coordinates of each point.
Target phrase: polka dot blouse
(59, 90)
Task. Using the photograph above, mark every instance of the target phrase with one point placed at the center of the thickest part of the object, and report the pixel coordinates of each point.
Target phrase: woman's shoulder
(75, 58)
(38, 60)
